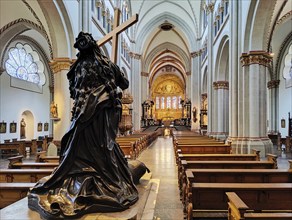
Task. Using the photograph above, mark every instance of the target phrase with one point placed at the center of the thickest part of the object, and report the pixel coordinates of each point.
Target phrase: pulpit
(126, 119)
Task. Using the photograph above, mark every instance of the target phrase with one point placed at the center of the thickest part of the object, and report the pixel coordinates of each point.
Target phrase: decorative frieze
(273, 84)
(144, 74)
(135, 55)
(221, 85)
(256, 57)
(62, 63)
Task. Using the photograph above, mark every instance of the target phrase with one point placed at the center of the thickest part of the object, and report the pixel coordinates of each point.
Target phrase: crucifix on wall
(117, 29)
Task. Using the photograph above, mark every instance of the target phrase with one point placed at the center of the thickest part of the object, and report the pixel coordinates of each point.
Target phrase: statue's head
(84, 41)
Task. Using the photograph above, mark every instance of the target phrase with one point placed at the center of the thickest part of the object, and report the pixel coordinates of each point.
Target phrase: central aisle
(160, 159)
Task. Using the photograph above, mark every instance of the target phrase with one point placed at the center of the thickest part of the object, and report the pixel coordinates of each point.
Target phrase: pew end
(273, 158)
(39, 155)
(238, 210)
(13, 160)
(256, 152)
(236, 207)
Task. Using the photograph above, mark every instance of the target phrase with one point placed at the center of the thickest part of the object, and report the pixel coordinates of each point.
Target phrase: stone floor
(159, 158)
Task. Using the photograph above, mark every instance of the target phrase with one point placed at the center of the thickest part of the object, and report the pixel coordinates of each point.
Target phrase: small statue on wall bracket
(54, 110)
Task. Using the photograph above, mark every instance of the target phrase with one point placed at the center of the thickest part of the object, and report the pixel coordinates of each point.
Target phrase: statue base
(144, 208)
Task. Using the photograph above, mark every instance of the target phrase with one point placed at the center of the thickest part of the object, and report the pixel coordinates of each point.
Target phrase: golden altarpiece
(167, 92)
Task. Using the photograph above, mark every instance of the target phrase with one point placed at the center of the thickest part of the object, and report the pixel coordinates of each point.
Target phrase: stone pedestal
(143, 209)
(245, 146)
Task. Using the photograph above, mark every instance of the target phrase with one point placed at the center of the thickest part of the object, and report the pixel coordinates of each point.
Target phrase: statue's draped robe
(93, 175)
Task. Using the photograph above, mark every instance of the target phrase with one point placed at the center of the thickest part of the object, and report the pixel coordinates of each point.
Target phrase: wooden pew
(12, 146)
(42, 157)
(23, 175)
(16, 163)
(238, 210)
(255, 156)
(128, 149)
(233, 176)
(205, 149)
(207, 199)
(270, 163)
(12, 192)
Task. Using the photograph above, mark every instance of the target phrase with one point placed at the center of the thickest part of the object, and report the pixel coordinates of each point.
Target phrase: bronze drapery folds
(93, 175)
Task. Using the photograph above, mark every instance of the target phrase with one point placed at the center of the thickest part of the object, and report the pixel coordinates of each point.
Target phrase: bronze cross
(117, 29)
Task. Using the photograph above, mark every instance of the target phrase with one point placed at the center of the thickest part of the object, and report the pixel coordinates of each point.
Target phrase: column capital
(204, 95)
(210, 7)
(196, 53)
(221, 85)
(135, 55)
(273, 84)
(256, 57)
(61, 63)
(144, 74)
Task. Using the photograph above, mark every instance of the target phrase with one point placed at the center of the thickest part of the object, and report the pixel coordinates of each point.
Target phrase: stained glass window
(157, 102)
(168, 102)
(174, 102)
(162, 102)
(24, 63)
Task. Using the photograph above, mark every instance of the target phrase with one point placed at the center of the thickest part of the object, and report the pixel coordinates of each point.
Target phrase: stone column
(222, 120)
(188, 85)
(255, 64)
(85, 16)
(233, 76)
(136, 90)
(210, 9)
(145, 93)
(213, 113)
(195, 93)
(60, 68)
(273, 86)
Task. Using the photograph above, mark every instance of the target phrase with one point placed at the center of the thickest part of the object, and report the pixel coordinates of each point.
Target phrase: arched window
(174, 102)
(99, 12)
(287, 70)
(103, 18)
(162, 103)
(226, 7)
(24, 63)
(168, 102)
(157, 102)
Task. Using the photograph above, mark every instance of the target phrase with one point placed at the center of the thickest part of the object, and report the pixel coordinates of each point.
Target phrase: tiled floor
(159, 158)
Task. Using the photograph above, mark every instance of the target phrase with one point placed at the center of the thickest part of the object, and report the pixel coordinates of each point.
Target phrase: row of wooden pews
(20, 175)
(235, 186)
(18, 147)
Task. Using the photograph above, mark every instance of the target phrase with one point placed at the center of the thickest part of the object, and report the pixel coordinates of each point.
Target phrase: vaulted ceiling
(166, 34)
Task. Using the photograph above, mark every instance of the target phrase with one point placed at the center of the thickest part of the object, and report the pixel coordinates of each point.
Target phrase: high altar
(167, 92)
